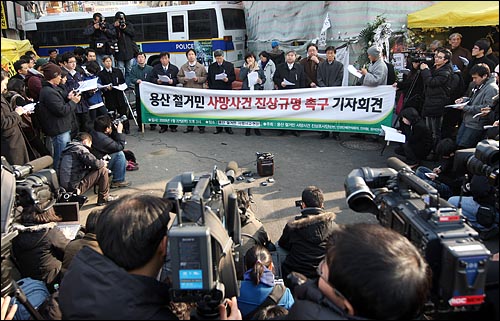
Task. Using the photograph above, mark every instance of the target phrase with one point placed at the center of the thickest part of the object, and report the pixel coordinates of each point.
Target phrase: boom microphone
(397, 164)
(231, 170)
(33, 166)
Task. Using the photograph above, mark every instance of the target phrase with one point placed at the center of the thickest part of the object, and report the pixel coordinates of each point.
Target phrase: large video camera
(202, 240)
(418, 56)
(410, 206)
(23, 186)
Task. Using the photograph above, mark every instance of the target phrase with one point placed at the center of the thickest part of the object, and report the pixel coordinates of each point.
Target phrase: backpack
(455, 86)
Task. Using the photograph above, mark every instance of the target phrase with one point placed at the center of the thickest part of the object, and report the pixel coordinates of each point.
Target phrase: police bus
(204, 27)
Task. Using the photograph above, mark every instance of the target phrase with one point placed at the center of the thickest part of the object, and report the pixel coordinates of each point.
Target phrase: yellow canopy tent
(11, 51)
(456, 14)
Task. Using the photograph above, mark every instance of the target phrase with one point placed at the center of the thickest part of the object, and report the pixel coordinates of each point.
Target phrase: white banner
(350, 109)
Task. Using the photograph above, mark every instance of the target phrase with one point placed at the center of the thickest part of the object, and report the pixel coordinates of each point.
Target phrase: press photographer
(101, 36)
(108, 139)
(127, 48)
(405, 203)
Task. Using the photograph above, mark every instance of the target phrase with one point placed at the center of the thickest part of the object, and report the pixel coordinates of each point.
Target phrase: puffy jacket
(76, 162)
(436, 93)
(305, 238)
(103, 144)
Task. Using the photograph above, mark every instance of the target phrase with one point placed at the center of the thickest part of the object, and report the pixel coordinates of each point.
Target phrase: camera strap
(272, 299)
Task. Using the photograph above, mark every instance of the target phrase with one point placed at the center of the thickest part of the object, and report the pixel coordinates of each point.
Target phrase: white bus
(204, 27)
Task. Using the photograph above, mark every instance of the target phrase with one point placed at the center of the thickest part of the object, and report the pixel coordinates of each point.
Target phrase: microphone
(33, 166)
(397, 164)
(231, 170)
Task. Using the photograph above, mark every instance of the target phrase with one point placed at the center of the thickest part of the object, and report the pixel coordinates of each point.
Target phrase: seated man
(368, 272)
(79, 169)
(305, 238)
(108, 140)
(121, 283)
(418, 143)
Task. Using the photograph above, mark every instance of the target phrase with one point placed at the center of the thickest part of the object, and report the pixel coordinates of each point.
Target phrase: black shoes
(257, 132)
(152, 127)
(248, 132)
(324, 135)
(336, 135)
(202, 130)
(188, 130)
(163, 129)
(104, 201)
(295, 133)
(173, 130)
(229, 131)
(218, 131)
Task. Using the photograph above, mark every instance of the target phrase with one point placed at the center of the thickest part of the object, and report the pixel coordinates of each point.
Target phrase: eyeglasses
(319, 270)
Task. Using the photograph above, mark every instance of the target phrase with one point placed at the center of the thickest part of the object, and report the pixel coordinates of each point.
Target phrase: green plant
(366, 37)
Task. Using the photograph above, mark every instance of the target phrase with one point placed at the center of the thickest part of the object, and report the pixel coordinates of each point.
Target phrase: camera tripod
(130, 107)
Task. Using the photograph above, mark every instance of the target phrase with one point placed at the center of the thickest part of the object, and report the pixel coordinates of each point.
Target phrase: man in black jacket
(221, 67)
(369, 272)
(305, 237)
(80, 170)
(101, 36)
(107, 139)
(127, 48)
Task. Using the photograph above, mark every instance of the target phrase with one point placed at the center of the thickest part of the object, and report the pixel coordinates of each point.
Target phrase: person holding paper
(471, 130)
(138, 74)
(251, 68)
(95, 99)
(455, 41)
(192, 75)
(164, 68)
(418, 137)
(221, 67)
(73, 82)
(290, 75)
(114, 98)
(330, 74)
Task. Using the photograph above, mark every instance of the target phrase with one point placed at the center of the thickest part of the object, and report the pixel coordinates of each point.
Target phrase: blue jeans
(118, 165)
(469, 210)
(443, 189)
(125, 66)
(469, 137)
(59, 142)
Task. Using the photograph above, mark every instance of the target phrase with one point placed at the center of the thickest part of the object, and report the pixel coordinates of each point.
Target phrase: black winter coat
(13, 144)
(215, 69)
(55, 112)
(418, 135)
(171, 72)
(436, 93)
(103, 144)
(113, 98)
(100, 39)
(296, 76)
(95, 288)
(305, 240)
(126, 42)
(39, 251)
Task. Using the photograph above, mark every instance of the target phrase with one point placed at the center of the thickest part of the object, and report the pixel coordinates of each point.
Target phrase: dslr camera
(119, 120)
(408, 205)
(202, 240)
(121, 19)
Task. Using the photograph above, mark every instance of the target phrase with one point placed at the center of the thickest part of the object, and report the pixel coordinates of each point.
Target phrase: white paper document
(221, 76)
(164, 78)
(190, 74)
(354, 71)
(488, 126)
(121, 87)
(477, 115)
(392, 135)
(29, 108)
(252, 79)
(457, 106)
(431, 175)
(287, 83)
(86, 85)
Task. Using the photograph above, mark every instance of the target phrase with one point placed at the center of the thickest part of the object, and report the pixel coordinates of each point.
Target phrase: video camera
(418, 56)
(410, 206)
(202, 240)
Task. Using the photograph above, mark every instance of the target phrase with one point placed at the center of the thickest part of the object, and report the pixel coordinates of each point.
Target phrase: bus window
(233, 19)
(202, 24)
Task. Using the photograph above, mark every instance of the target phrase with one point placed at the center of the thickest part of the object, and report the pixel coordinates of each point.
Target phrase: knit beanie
(373, 51)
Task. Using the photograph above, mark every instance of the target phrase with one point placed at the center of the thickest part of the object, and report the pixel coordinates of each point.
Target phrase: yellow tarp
(456, 14)
(11, 51)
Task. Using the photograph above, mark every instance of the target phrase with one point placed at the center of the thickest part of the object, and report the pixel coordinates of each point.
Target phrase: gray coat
(377, 74)
(483, 97)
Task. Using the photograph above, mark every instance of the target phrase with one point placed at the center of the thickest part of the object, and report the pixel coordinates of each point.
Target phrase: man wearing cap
(276, 54)
(457, 51)
(221, 67)
(56, 109)
(376, 74)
